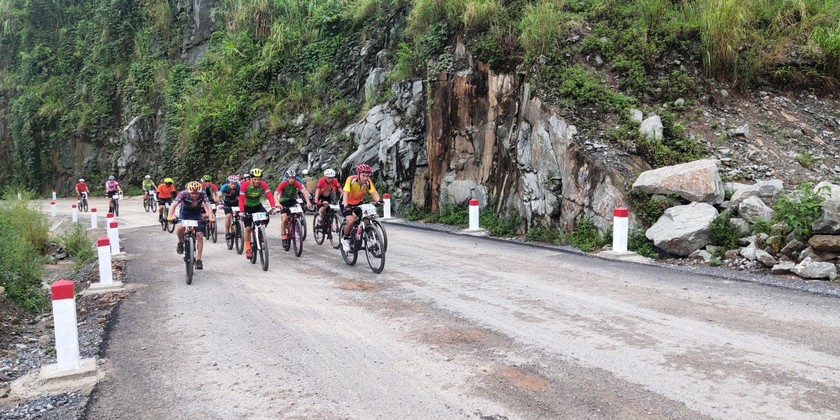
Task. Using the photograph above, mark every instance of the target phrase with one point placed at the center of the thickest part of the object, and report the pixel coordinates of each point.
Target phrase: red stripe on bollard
(110, 215)
(386, 196)
(74, 206)
(113, 225)
(474, 202)
(103, 242)
(621, 212)
(93, 210)
(62, 289)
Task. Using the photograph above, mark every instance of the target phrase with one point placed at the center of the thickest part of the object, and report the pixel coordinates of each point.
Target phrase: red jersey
(329, 188)
(81, 187)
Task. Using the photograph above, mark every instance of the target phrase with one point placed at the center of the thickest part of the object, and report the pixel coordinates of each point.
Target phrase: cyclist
(287, 193)
(148, 186)
(112, 188)
(165, 191)
(310, 183)
(210, 189)
(356, 187)
(81, 187)
(192, 201)
(250, 193)
(325, 192)
(230, 197)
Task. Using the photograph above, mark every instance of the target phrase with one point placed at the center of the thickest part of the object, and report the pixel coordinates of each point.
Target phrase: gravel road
(457, 327)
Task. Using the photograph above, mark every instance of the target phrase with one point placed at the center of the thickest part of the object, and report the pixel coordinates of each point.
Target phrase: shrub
(724, 233)
(451, 214)
(542, 26)
(586, 235)
(640, 244)
(413, 213)
(506, 225)
(648, 208)
(77, 244)
(800, 209)
(541, 234)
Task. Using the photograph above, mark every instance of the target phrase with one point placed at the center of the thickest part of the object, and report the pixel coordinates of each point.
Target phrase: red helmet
(363, 168)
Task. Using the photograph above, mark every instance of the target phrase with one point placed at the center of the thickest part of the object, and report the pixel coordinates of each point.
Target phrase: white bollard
(386, 212)
(114, 237)
(52, 208)
(20, 197)
(621, 225)
(75, 213)
(93, 218)
(66, 325)
(109, 217)
(105, 276)
(473, 214)
(53, 195)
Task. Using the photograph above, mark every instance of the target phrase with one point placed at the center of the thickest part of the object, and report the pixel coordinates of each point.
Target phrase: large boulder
(767, 191)
(810, 269)
(753, 209)
(829, 219)
(683, 229)
(825, 242)
(694, 181)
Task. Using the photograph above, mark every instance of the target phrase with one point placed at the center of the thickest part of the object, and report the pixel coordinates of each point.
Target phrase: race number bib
(295, 209)
(259, 216)
(368, 209)
(190, 223)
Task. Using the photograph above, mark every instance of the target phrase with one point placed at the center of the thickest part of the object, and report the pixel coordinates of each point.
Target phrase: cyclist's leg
(283, 218)
(199, 243)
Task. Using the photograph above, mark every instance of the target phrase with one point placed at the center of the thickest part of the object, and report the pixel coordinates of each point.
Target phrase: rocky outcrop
(829, 219)
(810, 269)
(767, 191)
(197, 29)
(694, 181)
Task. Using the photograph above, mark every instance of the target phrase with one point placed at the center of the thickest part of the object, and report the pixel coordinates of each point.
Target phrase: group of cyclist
(112, 188)
(245, 192)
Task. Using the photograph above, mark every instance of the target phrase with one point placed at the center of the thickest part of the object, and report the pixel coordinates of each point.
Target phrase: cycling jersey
(230, 196)
(211, 190)
(165, 191)
(250, 194)
(81, 187)
(356, 192)
(111, 186)
(328, 189)
(191, 208)
(148, 185)
(286, 193)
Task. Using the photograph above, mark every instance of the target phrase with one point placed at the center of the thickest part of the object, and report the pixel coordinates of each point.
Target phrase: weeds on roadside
(77, 244)
(24, 234)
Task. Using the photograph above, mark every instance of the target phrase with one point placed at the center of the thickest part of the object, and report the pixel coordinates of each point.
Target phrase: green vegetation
(648, 208)
(586, 237)
(77, 244)
(451, 214)
(24, 234)
(724, 233)
(640, 244)
(799, 210)
(806, 159)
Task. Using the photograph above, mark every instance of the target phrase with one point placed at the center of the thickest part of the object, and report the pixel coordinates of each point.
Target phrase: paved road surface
(457, 327)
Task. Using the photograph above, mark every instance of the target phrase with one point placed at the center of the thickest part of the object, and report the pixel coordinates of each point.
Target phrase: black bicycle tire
(352, 255)
(230, 237)
(189, 262)
(215, 233)
(116, 208)
(297, 237)
(369, 254)
(382, 232)
(263, 248)
(146, 205)
(154, 206)
(302, 221)
(335, 236)
(318, 234)
(238, 240)
(287, 244)
(253, 239)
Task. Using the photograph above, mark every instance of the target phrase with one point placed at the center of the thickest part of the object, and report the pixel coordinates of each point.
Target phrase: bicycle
(212, 227)
(236, 231)
(302, 217)
(115, 205)
(150, 202)
(83, 201)
(189, 246)
(294, 234)
(329, 225)
(365, 236)
(258, 243)
(165, 224)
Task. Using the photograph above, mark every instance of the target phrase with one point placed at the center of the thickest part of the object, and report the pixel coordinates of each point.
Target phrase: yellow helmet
(168, 181)
(256, 172)
(194, 186)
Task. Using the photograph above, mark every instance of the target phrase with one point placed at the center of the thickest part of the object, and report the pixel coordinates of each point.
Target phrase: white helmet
(329, 173)
(81, 180)
(148, 177)
(305, 172)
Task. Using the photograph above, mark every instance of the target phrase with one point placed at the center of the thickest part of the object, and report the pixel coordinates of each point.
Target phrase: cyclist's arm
(305, 192)
(242, 189)
(175, 203)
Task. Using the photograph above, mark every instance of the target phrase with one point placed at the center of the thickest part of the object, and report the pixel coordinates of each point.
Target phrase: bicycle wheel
(288, 242)
(164, 224)
(263, 247)
(189, 258)
(296, 236)
(214, 234)
(374, 250)
(254, 250)
(116, 208)
(335, 231)
(230, 237)
(318, 232)
(154, 206)
(302, 224)
(171, 227)
(238, 240)
(383, 236)
(351, 255)
(146, 205)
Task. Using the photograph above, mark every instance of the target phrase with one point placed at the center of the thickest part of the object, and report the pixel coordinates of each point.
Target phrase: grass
(78, 245)
(24, 234)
